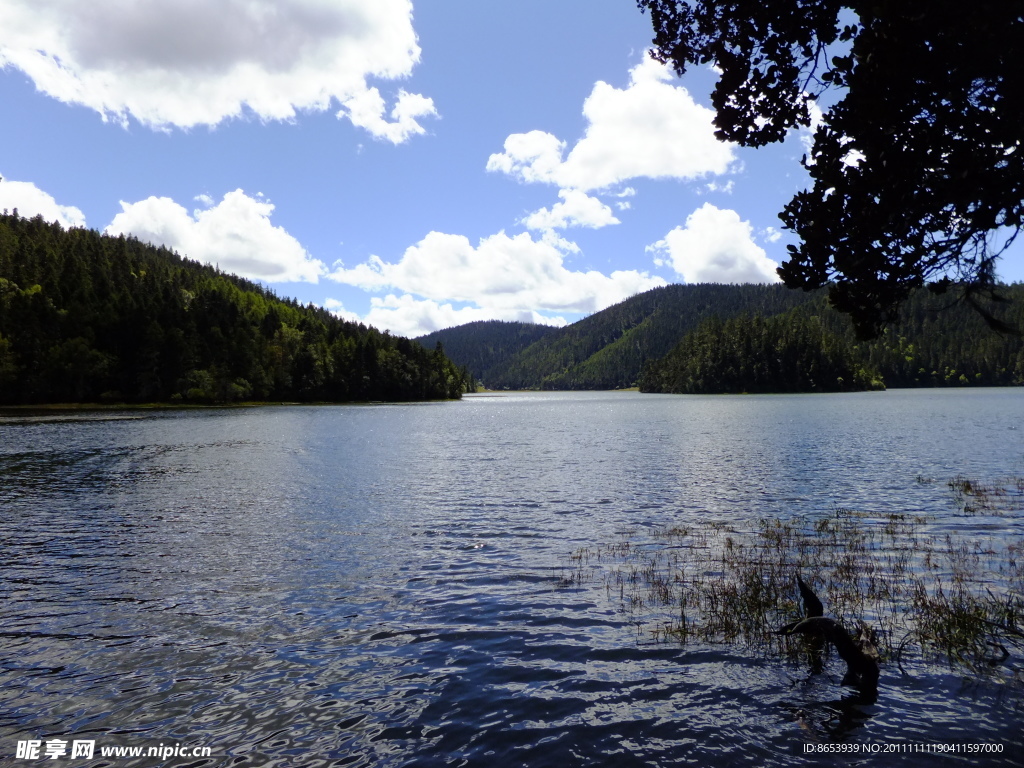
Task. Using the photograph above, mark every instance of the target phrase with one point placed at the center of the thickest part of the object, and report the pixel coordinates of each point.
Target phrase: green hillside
(608, 349)
(812, 348)
(90, 318)
(940, 341)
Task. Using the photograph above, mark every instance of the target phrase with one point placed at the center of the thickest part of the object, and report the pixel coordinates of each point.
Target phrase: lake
(381, 585)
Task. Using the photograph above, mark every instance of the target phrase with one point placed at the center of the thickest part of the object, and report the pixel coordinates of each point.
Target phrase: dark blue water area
(383, 585)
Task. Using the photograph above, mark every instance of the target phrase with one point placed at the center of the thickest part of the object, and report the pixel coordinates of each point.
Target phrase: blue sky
(413, 166)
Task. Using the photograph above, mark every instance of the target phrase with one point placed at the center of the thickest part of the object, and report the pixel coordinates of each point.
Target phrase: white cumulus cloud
(650, 129)
(31, 201)
(194, 62)
(500, 273)
(366, 110)
(236, 235)
(577, 209)
(716, 246)
(532, 156)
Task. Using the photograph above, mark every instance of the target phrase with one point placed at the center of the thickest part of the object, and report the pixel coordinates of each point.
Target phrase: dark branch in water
(812, 605)
(860, 653)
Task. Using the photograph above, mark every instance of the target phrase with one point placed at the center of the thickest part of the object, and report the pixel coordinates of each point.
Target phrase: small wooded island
(87, 318)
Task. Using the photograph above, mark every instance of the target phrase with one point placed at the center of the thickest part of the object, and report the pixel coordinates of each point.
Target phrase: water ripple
(381, 586)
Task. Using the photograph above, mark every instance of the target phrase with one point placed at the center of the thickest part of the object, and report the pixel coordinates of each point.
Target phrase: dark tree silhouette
(917, 167)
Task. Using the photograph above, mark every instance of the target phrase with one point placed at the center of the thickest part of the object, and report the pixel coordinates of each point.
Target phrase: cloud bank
(236, 235)
(715, 246)
(501, 272)
(502, 277)
(183, 63)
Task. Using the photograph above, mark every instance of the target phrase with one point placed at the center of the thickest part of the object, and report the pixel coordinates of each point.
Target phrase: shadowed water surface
(380, 585)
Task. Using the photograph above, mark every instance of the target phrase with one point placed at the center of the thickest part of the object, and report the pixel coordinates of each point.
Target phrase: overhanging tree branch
(917, 170)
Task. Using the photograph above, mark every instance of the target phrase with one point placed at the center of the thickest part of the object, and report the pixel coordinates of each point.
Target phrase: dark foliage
(939, 341)
(917, 168)
(89, 318)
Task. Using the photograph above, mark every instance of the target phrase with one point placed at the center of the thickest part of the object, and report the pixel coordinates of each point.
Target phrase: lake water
(380, 585)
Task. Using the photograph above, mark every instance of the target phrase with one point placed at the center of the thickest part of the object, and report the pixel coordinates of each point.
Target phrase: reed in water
(922, 586)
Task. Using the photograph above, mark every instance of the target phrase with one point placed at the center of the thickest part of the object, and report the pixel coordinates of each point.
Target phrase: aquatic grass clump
(949, 594)
(973, 497)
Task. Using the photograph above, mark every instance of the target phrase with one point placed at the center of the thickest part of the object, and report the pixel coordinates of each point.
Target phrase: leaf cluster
(768, 54)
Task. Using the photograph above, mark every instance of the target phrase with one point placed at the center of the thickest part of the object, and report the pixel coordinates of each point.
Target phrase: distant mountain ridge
(938, 342)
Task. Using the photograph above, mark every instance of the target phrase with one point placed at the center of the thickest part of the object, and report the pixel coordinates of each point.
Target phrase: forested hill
(88, 318)
(938, 341)
(607, 349)
(792, 352)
